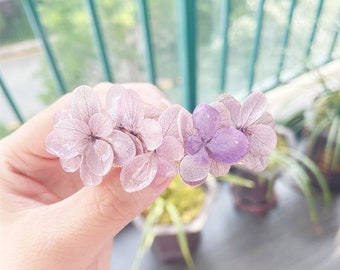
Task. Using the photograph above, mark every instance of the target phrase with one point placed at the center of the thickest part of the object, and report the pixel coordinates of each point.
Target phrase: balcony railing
(215, 45)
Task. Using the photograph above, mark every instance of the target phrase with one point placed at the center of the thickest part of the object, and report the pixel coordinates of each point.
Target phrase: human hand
(49, 220)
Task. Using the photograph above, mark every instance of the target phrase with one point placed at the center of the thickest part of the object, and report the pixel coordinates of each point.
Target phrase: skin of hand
(49, 220)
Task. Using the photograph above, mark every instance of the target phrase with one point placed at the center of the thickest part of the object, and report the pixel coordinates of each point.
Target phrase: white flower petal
(123, 147)
(88, 177)
(151, 133)
(125, 107)
(84, 103)
(252, 108)
(139, 172)
(195, 168)
(101, 125)
(72, 164)
(170, 149)
(219, 168)
(99, 157)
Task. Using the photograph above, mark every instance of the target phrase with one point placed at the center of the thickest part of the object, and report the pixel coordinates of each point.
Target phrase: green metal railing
(187, 44)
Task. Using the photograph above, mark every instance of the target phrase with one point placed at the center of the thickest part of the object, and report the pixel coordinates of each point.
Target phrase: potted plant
(322, 126)
(173, 224)
(256, 194)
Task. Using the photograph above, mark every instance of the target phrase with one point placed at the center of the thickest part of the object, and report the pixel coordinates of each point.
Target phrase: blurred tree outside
(68, 25)
(14, 26)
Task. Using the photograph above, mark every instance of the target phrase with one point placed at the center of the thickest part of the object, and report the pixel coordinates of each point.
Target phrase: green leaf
(181, 236)
(237, 180)
(320, 178)
(148, 234)
(330, 143)
(336, 154)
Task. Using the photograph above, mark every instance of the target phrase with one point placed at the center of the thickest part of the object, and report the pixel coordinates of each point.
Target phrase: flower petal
(72, 164)
(151, 132)
(99, 157)
(233, 106)
(139, 172)
(252, 108)
(266, 119)
(228, 145)
(101, 125)
(169, 120)
(170, 149)
(262, 139)
(225, 120)
(88, 177)
(123, 147)
(125, 107)
(194, 168)
(186, 126)
(72, 131)
(152, 112)
(206, 120)
(165, 171)
(61, 115)
(138, 144)
(59, 148)
(193, 145)
(84, 103)
(219, 168)
(255, 162)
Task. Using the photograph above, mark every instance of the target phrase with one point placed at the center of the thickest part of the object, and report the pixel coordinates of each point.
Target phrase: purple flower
(258, 125)
(84, 138)
(212, 146)
(160, 163)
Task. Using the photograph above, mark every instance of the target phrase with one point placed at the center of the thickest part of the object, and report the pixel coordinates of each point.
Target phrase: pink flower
(160, 163)
(84, 138)
(212, 146)
(256, 124)
(126, 109)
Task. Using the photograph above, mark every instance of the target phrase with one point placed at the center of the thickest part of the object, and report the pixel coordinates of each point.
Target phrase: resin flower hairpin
(151, 147)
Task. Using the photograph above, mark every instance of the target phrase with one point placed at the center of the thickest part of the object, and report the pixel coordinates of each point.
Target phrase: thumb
(94, 214)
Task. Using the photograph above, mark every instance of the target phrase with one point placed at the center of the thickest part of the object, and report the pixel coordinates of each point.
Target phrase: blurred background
(194, 50)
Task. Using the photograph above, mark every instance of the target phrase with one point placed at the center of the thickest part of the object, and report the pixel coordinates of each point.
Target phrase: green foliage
(187, 200)
(178, 205)
(324, 120)
(14, 25)
(7, 129)
(299, 168)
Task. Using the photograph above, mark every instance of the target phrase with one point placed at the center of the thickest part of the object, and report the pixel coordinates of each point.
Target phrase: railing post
(224, 49)
(99, 40)
(39, 31)
(257, 41)
(144, 19)
(285, 40)
(331, 49)
(187, 46)
(315, 25)
(11, 101)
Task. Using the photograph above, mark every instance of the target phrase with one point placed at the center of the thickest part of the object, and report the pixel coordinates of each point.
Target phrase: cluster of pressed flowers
(151, 145)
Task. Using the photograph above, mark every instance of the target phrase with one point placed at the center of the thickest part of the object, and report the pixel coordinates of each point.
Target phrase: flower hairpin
(151, 145)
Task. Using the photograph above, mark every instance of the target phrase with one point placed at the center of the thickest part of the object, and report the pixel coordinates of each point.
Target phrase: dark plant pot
(165, 244)
(257, 200)
(316, 151)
